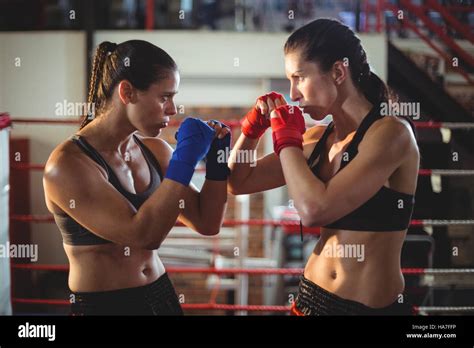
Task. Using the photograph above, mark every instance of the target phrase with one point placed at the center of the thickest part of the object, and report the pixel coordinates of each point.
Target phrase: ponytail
(93, 102)
(374, 89)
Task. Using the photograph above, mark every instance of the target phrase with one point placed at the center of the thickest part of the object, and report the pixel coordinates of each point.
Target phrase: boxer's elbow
(150, 242)
(209, 229)
(233, 188)
(152, 246)
(148, 236)
(311, 213)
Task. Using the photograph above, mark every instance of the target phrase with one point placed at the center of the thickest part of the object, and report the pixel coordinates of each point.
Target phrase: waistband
(156, 298)
(314, 300)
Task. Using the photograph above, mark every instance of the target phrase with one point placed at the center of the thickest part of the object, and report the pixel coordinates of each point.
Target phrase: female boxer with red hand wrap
(355, 177)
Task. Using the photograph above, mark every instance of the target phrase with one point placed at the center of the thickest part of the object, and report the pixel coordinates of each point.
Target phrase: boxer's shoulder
(156, 145)
(160, 149)
(68, 158)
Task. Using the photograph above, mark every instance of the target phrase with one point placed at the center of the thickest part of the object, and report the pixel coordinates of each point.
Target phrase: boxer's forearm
(241, 170)
(213, 202)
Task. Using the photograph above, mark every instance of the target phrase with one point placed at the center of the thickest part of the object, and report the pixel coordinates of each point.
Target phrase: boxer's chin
(150, 132)
(314, 113)
(155, 130)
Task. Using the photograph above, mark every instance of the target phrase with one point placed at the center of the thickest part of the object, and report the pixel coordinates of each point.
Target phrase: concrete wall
(40, 69)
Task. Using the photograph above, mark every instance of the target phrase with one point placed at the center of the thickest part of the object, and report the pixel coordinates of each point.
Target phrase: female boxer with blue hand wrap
(116, 190)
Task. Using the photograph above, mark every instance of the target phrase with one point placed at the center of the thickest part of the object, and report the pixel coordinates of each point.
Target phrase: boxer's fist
(194, 140)
(288, 127)
(257, 120)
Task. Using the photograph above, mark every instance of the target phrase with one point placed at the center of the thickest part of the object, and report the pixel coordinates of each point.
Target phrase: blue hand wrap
(194, 140)
(216, 159)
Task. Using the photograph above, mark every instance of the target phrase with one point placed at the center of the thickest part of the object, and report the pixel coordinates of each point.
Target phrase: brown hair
(137, 61)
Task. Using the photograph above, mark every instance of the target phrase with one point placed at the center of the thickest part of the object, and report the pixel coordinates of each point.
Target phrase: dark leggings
(157, 298)
(314, 300)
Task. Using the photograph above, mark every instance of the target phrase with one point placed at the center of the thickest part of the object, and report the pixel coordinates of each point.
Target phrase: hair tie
(111, 48)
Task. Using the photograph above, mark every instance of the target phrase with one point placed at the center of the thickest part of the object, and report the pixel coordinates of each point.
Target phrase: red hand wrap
(288, 127)
(254, 124)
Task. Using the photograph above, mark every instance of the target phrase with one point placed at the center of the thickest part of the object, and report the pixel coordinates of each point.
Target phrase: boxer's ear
(339, 72)
(127, 93)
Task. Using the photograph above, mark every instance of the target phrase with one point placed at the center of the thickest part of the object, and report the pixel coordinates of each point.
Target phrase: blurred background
(229, 52)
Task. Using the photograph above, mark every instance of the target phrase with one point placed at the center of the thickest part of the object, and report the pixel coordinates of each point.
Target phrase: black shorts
(157, 298)
(314, 300)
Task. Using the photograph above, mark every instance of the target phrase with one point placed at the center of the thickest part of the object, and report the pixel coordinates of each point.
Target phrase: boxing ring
(428, 276)
(5, 301)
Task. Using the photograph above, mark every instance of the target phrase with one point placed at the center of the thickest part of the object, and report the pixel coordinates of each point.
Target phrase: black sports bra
(75, 234)
(388, 210)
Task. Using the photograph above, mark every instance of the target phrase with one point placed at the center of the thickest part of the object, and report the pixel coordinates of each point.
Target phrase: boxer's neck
(110, 132)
